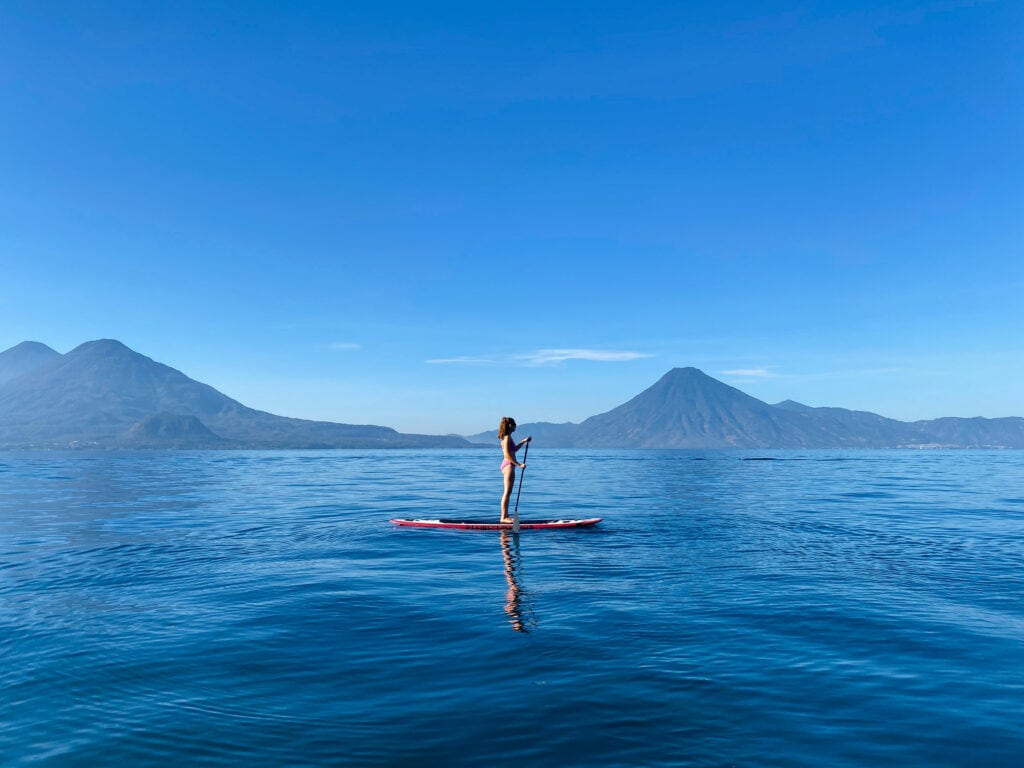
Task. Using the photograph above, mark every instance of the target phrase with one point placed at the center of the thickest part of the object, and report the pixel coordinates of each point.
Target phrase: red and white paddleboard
(491, 525)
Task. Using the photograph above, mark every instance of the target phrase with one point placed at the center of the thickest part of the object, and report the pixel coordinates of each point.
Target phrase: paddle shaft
(515, 514)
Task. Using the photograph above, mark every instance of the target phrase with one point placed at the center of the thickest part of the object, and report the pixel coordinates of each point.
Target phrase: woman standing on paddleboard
(509, 464)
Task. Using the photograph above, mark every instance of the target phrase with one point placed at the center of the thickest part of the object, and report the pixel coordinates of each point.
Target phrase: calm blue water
(257, 609)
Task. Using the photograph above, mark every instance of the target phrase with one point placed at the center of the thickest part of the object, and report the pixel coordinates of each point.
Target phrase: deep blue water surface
(257, 609)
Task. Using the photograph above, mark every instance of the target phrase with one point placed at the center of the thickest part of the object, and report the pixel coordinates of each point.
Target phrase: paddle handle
(515, 514)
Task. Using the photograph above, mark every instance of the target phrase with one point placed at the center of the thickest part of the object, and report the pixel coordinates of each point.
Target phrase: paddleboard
(491, 525)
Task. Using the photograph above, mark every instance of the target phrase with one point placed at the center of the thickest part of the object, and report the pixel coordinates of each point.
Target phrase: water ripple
(784, 608)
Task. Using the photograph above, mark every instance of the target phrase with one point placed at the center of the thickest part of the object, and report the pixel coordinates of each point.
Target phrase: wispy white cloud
(542, 357)
(551, 356)
(752, 373)
(344, 346)
(463, 360)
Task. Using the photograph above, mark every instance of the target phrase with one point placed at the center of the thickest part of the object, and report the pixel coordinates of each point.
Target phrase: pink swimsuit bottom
(505, 463)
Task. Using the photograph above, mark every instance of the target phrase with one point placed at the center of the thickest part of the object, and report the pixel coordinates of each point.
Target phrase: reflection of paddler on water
(514, 596)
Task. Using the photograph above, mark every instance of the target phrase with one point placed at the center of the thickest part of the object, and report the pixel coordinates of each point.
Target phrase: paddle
(515, 514)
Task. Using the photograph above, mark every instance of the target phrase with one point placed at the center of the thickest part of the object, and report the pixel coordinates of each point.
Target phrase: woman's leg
(510, 482)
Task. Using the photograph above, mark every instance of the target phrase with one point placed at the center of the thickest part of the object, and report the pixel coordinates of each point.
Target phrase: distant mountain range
(686, 408)
(104, 395)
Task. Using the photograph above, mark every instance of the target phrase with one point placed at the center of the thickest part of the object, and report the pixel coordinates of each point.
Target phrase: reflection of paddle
(515, 515)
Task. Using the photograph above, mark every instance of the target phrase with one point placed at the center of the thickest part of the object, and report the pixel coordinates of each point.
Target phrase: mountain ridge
(103, 394)
(686, 408)
(100, 391)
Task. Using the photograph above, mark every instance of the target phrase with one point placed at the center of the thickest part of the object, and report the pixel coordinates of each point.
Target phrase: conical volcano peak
(31, 348)
(689, 373)
(102, 347)
(24, 358)
(690, 380)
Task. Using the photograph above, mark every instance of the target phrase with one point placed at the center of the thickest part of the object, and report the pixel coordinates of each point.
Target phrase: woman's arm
(509, 446)
(515, 447)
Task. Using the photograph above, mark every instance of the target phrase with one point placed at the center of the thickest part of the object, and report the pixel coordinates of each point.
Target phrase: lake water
(258, 609)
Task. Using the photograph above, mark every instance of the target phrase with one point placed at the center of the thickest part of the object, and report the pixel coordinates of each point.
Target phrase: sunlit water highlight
(257, 609)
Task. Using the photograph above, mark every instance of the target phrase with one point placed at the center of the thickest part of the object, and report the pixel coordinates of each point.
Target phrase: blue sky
(431, 215)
